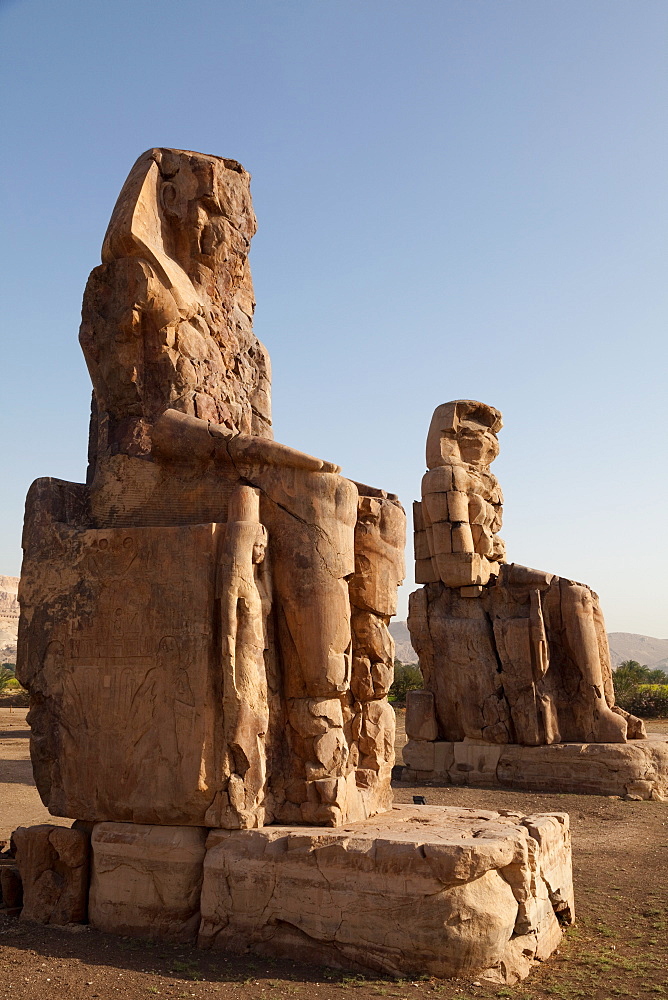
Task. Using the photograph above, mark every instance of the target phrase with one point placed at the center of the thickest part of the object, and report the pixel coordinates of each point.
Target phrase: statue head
(463, 431)
(260, 545)
(189, 214)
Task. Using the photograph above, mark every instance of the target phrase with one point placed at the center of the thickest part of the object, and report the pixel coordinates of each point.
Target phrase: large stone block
(441, 891)
(421, 716)
(146, 880)
(126, 715)
(54, 866)
(474, 763)
(638, 770)
(419, 755)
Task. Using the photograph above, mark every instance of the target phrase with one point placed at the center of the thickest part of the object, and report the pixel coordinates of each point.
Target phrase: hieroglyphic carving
(124, 687)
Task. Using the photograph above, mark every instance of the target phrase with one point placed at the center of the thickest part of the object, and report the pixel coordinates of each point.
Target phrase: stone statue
(511, 654)
(204, 635)
(159, 535)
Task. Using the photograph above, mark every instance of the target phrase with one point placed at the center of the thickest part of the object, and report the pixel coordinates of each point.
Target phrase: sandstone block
(461, 893)
(639, 768)
(475, 762)
(425, 571)
(421, 545)
(421, 716)
(437, 480)
(437, 506)
(380, 538)
(418, 518)
(440, 761)
(419, 755)
(441, 536)
(54, 866)
(444, 757)
(462, 538)
(146, 880)
(126, 725)
(462, 568)
(458, 506)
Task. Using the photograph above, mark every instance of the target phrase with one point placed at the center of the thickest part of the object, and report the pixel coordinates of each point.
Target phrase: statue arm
(180, 436)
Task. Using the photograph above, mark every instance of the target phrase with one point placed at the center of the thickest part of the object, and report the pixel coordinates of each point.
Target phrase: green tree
(407, 677)
(6, 677)
(629, 674)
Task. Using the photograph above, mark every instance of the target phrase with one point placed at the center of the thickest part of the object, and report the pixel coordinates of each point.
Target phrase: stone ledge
(638, 769)
(436, 890)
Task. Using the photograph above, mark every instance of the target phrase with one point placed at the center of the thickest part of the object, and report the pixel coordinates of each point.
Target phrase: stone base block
(54, 866)
(435, 890)
(638, 769)
(146, 880)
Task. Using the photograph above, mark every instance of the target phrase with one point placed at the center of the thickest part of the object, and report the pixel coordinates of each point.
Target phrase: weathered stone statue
(511, 654)
(177, 675)
(204, 634)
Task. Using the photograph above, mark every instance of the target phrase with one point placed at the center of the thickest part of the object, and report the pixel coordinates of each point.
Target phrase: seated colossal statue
(510, 654)
(204, 622)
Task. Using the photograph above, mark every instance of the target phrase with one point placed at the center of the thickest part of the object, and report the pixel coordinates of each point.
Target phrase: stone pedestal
(637, 770)
(434, 890)
(421, 890)
(146, 880)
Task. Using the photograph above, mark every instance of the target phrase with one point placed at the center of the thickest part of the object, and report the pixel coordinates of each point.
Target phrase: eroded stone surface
(633, 770)
(421, 716)
(123, 672)
(54, 866)
(453, 892)
(167, 316)
(146, 880)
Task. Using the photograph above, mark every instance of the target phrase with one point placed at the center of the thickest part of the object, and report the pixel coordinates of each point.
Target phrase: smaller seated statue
(511, 654)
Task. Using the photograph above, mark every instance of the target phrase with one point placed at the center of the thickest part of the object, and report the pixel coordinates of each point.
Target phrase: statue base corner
(635, 770)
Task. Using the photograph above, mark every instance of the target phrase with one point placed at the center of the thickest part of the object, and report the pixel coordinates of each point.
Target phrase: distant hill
(623, 646)
(402, 641)
(643, 648)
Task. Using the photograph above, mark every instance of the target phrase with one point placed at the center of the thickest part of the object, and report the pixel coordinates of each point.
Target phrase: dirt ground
(618, 948)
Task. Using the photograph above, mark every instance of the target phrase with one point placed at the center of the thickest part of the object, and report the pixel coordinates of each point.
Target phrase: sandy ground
(20, 804)
(619, 947)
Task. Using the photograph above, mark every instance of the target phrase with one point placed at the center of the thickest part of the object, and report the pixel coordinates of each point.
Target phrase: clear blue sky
(457, 198)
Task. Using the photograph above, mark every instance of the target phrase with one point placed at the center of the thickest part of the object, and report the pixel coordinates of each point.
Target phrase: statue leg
(311, 519)
(595, 719)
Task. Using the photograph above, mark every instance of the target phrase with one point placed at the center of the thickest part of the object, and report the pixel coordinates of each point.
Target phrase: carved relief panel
(127, 721)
